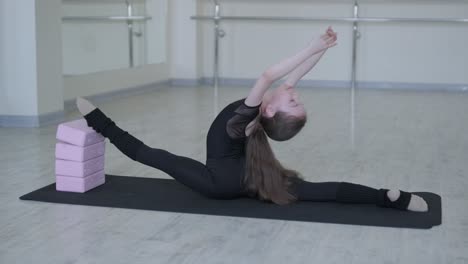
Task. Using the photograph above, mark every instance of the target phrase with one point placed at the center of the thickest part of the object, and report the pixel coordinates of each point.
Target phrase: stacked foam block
(79, 153)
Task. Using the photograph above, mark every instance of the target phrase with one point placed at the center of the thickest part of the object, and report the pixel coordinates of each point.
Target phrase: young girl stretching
(240, 161)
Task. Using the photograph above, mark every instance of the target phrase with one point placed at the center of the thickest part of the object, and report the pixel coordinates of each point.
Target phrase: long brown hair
(265, 176)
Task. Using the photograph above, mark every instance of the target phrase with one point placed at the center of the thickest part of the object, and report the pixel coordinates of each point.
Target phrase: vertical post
(216, 54)
(130, 32)
(353, 75)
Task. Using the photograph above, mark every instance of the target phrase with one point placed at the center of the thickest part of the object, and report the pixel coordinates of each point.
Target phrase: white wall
(49, 57)
(432, 53)
(394, 52)
(30, 66)
(18, 58)
(183, 39)
(156, 31)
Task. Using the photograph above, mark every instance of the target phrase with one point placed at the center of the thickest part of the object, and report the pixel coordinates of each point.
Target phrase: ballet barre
(219, 33)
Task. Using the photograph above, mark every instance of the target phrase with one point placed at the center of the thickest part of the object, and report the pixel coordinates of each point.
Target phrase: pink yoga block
(78, 133)
(77, 168)
(76, 153)
(81, 185)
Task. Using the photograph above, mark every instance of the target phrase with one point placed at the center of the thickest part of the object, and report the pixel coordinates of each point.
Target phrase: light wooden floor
(416, 141)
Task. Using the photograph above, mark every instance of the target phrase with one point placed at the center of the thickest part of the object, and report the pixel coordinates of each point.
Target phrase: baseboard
(186, 82)
(32, 121)
(347, 84)
(442, 87)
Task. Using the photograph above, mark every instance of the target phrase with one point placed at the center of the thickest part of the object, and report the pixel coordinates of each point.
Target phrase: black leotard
(221, 177)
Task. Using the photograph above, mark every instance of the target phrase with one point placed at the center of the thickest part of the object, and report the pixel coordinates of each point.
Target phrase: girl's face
(285, 99)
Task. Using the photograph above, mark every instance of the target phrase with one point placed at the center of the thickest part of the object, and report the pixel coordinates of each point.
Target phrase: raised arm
(303, 69)
(307, 65)
(285, 66)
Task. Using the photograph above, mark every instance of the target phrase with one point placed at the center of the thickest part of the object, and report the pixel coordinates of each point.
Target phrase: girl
(240, 161)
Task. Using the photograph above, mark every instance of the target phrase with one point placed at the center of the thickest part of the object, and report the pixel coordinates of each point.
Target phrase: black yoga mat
(171, 196)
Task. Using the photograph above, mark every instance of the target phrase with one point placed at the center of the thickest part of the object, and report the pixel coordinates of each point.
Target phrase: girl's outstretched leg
(345, 192)
(187, 171)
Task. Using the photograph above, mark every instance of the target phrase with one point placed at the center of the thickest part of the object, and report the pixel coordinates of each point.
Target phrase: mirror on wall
(112, 34)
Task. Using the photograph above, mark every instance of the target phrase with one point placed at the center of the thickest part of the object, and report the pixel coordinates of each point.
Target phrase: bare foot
(84, 106)
(416, 204)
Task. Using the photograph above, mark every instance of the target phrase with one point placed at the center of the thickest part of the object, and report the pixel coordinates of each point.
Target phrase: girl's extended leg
(335, 192)
(189, 172)
(345, 192)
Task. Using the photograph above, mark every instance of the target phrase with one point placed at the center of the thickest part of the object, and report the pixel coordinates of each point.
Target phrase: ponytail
(265, 176)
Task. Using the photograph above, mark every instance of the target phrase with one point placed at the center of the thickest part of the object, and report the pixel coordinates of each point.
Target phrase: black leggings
(201, 178)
